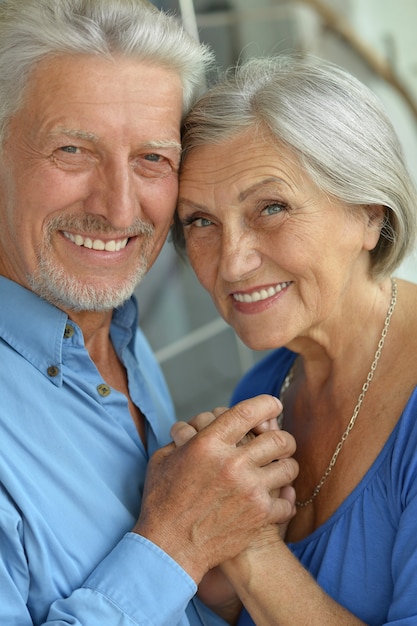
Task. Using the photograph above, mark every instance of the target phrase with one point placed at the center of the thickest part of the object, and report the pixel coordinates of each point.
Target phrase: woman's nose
(239, 255)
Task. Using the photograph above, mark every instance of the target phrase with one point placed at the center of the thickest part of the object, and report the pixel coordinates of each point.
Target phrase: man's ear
(376, 214)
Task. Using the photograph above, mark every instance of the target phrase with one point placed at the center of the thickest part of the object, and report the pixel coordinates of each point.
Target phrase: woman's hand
(217, 592)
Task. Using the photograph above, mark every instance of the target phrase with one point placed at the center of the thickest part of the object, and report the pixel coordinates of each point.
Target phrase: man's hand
(206, 500)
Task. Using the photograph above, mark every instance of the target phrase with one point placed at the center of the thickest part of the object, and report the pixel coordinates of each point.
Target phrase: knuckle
(284, 442)
(243, 409)
(200, 445)
(233, 469)
(258, 502)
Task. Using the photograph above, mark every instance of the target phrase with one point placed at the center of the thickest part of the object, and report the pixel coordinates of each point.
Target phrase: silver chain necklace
(359, 402)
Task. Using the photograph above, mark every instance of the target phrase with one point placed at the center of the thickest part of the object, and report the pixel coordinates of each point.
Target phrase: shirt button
(104, 390)
(69, 331)
(53, 371)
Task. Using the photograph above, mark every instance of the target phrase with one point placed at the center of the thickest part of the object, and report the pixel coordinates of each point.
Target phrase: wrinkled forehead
(245, 154)
(89, 97)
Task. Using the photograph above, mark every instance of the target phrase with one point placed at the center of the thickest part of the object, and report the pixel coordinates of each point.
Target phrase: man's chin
(71, 295)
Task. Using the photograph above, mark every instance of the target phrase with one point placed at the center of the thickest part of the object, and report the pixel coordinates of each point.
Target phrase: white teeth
(111, 246)
(263, 294)
(97, 244)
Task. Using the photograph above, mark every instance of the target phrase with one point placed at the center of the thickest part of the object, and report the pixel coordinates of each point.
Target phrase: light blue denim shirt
(72, 469)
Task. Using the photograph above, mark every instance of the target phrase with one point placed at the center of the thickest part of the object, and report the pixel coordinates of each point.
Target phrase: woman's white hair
(335, 125)
(31, 30)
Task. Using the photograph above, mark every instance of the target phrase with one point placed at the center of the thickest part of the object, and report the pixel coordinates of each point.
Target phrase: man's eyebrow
(76, 133)
(258, 185)
(90, 136)
(163, 144)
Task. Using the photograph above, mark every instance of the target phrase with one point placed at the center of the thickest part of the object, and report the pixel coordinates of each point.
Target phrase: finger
(246, 439)
(202, 420)
(219, 410)
(283, 507)
(181, 432)
(282, 510)
(288, 492)
(233, 424)
(277, 478)
(271, 424)
(270, 446)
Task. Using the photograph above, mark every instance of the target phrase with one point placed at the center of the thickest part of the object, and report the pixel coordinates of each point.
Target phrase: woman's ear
(375, 217)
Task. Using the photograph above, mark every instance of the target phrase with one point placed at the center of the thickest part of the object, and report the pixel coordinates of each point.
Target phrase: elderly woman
(295, 210)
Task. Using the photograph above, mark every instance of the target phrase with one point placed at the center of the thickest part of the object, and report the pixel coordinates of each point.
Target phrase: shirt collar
(35, 328)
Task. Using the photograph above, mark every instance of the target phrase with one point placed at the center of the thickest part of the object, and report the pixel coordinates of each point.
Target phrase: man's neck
(95, 327)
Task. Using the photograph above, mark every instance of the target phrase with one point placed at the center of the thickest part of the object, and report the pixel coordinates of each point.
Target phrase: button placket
(69, 331)
(52, 371)
(103, 390)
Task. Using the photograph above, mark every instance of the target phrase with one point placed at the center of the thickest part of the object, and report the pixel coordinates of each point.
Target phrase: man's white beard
(53, 282)
(69, 293)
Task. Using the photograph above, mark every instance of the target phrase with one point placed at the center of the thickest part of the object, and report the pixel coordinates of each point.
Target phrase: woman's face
(279, 257)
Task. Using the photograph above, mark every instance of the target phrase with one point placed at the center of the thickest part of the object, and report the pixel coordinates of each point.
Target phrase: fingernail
(278, 401)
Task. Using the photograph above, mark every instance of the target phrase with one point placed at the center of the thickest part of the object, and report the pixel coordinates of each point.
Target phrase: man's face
(88, 179)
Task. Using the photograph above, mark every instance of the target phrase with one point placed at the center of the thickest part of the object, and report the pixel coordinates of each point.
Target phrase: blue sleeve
(137, 583)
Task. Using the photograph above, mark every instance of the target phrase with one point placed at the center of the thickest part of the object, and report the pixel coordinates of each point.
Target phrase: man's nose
(116, 195)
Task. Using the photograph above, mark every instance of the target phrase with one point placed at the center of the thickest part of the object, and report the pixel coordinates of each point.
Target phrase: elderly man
(92, 93)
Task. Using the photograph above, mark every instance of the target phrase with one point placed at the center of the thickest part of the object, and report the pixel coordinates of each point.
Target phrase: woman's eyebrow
(258, 185)
(192, 205)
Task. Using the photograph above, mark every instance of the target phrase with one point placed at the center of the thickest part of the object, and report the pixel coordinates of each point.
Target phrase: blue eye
(198, 222)
(201, 222)
(70, 149)
(153, 157)
(273, 208)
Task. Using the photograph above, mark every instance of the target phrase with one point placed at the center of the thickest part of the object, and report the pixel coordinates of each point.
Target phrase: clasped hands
(182, 432)
(209, 494)
(215, 589)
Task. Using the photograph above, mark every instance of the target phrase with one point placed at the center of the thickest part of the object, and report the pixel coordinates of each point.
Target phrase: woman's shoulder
(266, 376)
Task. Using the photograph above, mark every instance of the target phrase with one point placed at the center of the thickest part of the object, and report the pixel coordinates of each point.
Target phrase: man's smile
(113, 245)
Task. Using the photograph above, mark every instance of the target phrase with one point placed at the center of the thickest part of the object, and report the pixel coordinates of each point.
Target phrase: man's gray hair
(337, 129)
(31, 30)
